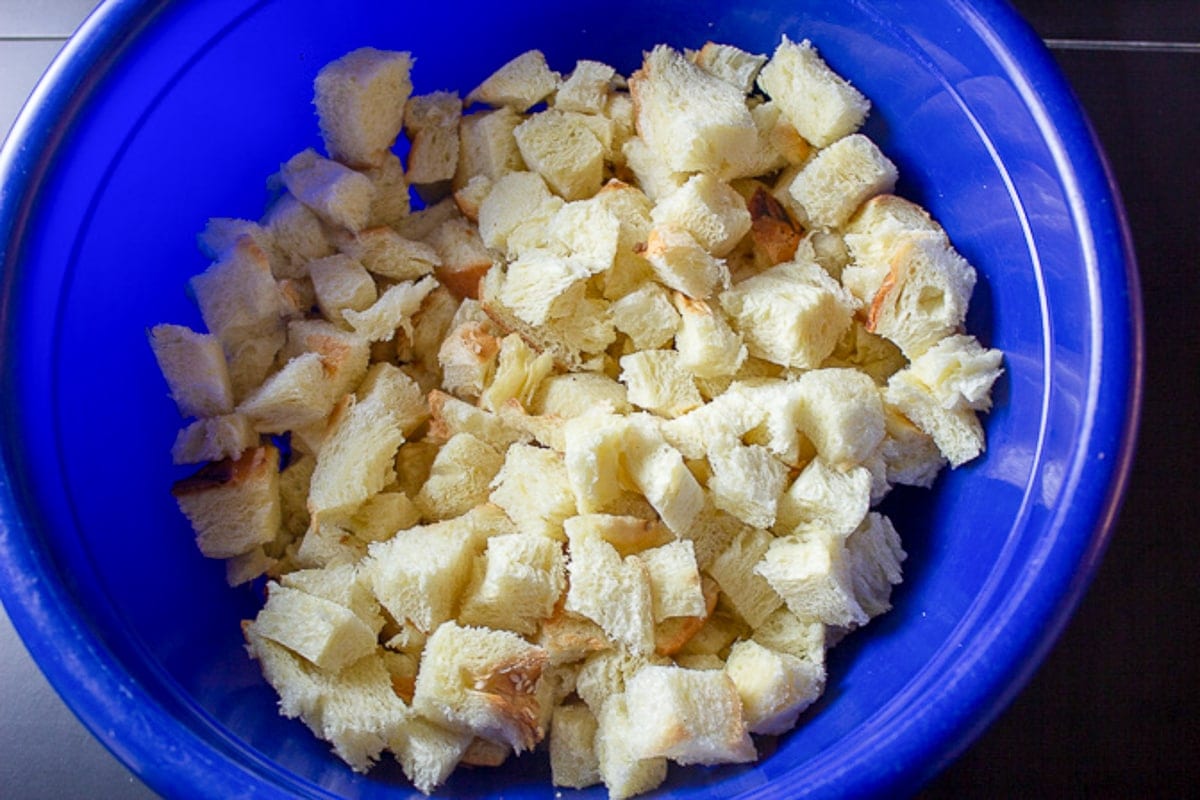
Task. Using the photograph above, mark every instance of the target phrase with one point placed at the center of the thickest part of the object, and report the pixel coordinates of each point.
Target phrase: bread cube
(693, 120)
(839, 179)
(587, 230)
(911, 457)
(792, 314)
(821, 104)
(746, 481)
(563, 148)
(731, 64)
(542, 286)
(520, 84)
(516, 583)
(360, 103)
(390, 204)
(514, 199)
(868, 353)
(341, 284)
(391, 311)
(428, 752)
(646, 316)
(467, 357)
(570, 638)
(876, 555)
(328, 634)
(385, 253)
(194, 367)
(569, 395)
(324, 545)
(827, 497)
(625, 774)
(658, 472)
(483, 682)
(784, 632)
(774, 687)
(464, 258)
(658, 382)
(299, 394)
(707, 208)
(381, 515)
(519, 371)
(612, 591)
(573, 761)
(297, 235)
(707, 346)
(233, 505)
(214, 439)
(459, 477)
(344, 354)
(956, 431)
(814, 574)
(238, 299)
(628, 534)
(592, 447)
(534, 490)
(334, 192)
(688, 716)
(448, 415)
(841, 412)
(726, 417)
(587, 88)
(487, 146)
(871, 236)
(775, 234)
(432, 124)
(681, 263)
(734, 569)
(470, 196)
(674, 580)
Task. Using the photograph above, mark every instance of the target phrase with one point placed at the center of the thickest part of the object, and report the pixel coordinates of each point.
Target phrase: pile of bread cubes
(581, 455)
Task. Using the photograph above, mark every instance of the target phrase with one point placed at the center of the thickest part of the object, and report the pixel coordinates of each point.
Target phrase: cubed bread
(194, 367)
(448, 415)
(515, 584)
(334, 192)
(214, 439)
(518, 374)
(563, 148)
(391, 311)
(520, 84)
(841, 413)
(652, 174)
(693, 120)
(646, 316)
(746, 481)
(624, 773)
(239, 299)
(775, 234)
(867, 352)
(539, 287)
(360, 101)
(298, 395)
(821, 104)
(839, 179)
(459, 477)
(956, 430)
(385, 253)
(573, 761)
(683, 264)
(381, 515)
(587, 230)
(629, 534)
(878, 227)
(341, 284)
(328, 634)
(658, 382)
(483, 682)
(814, 574)
(911, 457)
(792, 314)
(533, 489)
(774, 687)
(297, 234)
(707, 208)
(431, 121)
(734, 569)
(467, 357)
(723, 418)
(592, 453)
(487, 146)
(429, 752)
(514, 199)
(233, 506)
(674, 580)
(587, 88)
(612, 591)
(827, 497)
(658, 472)
(568, 395)
(688, 716)
(708, 347)
(344, 354)
(729, 63)
(570, 638)
(470, 196)
(464, 258)
(876, 555)
(390, 202)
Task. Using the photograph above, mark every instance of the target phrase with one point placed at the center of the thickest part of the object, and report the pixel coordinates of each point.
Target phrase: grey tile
(42, 18)
(21, 64)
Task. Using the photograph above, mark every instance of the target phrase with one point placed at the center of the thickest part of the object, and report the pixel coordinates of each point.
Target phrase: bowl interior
(192, 105)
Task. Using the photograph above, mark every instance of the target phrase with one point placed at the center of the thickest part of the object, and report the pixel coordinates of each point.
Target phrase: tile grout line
(1121, 45)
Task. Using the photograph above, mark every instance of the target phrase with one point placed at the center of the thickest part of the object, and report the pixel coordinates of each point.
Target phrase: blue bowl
(160, 114)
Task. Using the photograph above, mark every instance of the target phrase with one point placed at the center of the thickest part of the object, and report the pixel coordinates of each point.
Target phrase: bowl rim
(91, 680)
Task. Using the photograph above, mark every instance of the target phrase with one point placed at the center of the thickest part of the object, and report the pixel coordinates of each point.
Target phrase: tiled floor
(1112, 711)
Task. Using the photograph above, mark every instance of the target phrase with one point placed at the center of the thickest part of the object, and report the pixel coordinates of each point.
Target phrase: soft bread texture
(821, 104)
(233, 505)
(520, 83)
(334, 192)
(194, 367)
(360, 101)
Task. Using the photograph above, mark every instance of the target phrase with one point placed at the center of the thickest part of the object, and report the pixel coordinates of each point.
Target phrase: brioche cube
(839, 179)
(959, 372)
(470, 196)
(651, 173)
(826, 497)
(487, 146)
(587, 88)
(344, 354)
(707, 208)
(299, 394)
(341, 284)
(573, 761)
(297, 235)
(390, 202)
(534, 490)
(784, 632)
(483, 682)
(233, 505)
(658, 382)
(385, 253)
(734, 571)
(773, 408)
(956, 431)
(432, 124)
(568, 395)
(707, 346)
(516, 583)
(774, 687)
(459, 477)
(746, 481)
(519, 372)
(428, 752)
(688, 716)
(521, 83)
(194, 367)
(381, 515)
(334, 192)
(239, 301)
(360, 103)
(692, 119)
(328, 634)
(326, 544)
(612, 591)
(674, 580)
(301, 686)
(731, 64)
(867, 352)
(841, 412)
(220, 235)
(357, 456)
(646, 316)
(467, 357)
(420, 573)
(542, 286)
(624, 772)
(362, 713)
(683, 264)
(792, 314)
(821, 104)
(563, 148)
(391, 311)
(570, 638)
(464, 258)
(448, 415)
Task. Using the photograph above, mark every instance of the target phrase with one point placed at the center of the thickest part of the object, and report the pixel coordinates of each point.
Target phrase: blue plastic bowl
(158, 115)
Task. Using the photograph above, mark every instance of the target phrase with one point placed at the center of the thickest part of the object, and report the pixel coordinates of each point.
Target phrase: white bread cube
(448, 415)
(651, 173)
(540, 286)
(390, 203)
(867, 352)
(299, 394)
(568, 395)
(825, 497)
(573, 761)
(911, 457)
(646, 316)
(692, 119)
(871, 236)
(821, 104)
(707, 346)
(420, 573)
(841, 412)
(956, 431)
(233, 506)
(674, 580)
(563, 148)
(430, 326)
(238, 298)
(814, 574)
(391, 311)
(746, 481)
(774, 687)
(959, 371)
(533, 489)
(711, 532)
(592, 452)
(194, 367)
(602, 675)
(341, 284)
(519, 372)
(459, 477)
(839, 179)
(516, 583)
(465, 259)
(220, 235)
(381, 515)
(612, 591)
(356, 459)
(623, 772)
(470, 196)
(570, 638)
(431, 121)
(773, 406)
(324, 545)
(725, 417)
(629, 534)
(301, 686)
(483, 682)
(876, 555)
(334, 192)
(775, 234)
(588, 230)
(344, 354)
(784, 632)
(658, 382)
(731, 64)
(242, 569)
(587, 88)
(385, 253)
(515, 198)
(360, 103)
(487, 146)
(428, 752)
(520, 84)
(214, 439)
(707, 208)
(688, 716)
(467, 357)
(683, 264)
(297, 235)
(734, 571)
(792, 314)
(294, 480)
(326, 633)
(658, 472)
